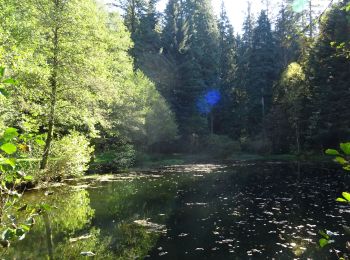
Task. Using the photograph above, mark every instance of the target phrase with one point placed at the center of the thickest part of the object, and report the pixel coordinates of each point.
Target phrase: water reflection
(258, 211)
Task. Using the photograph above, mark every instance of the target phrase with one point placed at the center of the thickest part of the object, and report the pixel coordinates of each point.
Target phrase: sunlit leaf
(40, 142)
(45, 207)
(10, 133)
(8, 148)
(323, 242)
(28, 178)
(341, 200)
(25, 228)
(10, 161)
(347, 167)
(340, 160)
(346, 195)
(332, 152)
(345, 147)
(9, 81)
(324, 234)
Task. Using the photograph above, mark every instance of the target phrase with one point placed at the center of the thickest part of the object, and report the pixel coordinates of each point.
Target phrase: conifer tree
(262, 74)
(329, 79)
(224, 113)
(190, 32)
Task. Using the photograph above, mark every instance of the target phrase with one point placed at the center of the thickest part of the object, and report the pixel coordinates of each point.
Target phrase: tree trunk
(53, 100)
(297, 135)
(48, 235)
(211, 123)
(311, 23)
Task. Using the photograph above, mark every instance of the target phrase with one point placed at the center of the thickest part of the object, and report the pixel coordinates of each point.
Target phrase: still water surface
(243, 211)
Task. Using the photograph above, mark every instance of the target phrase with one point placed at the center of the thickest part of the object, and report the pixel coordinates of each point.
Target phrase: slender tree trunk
(311, 23)
(48, 235)
(211, 123)
(133, 17)
(297, 135)
(53, 100)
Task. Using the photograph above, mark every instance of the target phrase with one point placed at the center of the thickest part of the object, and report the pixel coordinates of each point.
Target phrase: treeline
(281, 86)
(76, 86)
(180, 81)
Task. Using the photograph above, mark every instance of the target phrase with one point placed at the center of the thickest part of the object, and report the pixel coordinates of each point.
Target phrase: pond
(237, 211)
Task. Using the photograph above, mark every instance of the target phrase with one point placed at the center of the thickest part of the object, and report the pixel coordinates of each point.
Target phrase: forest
(91, 88)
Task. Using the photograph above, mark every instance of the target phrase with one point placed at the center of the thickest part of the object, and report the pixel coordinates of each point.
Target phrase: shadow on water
(250, 211)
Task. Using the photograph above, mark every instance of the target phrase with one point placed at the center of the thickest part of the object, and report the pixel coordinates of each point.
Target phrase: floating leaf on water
(331, 234)
(88, 253)
(75, 239)
(152, 227)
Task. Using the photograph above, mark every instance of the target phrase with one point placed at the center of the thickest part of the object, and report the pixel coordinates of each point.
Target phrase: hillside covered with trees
(148, 82)
(92, 88)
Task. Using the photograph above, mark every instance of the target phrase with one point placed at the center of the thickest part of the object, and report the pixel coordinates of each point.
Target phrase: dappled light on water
(195, 211)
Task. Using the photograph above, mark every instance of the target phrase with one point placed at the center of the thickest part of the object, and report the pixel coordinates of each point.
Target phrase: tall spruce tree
(261, 74)
(244, 51)
(190, 32)
(224, 113)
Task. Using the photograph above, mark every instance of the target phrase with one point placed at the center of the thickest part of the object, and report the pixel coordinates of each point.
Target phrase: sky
(237, 9)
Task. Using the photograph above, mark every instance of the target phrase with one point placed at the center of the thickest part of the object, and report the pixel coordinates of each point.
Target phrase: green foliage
(13, 225)
(343, 159)
(70, 156)
(328, 74)
(124, 157)
(160, 124)
(326, 238)
(346, 197)
(341, 156)
(190, 30)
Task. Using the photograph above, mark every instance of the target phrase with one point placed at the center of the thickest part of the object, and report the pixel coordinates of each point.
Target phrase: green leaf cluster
(342, 156)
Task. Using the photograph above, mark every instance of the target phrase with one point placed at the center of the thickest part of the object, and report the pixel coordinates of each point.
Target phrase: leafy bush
(70, 156)
(13, 225)
(221, 146)
(124, 156)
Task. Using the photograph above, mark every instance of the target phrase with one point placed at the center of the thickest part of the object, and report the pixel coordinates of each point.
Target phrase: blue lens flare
(212, 97)
(207, 102)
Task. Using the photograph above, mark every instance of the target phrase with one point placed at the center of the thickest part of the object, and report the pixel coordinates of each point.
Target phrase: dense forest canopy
(139, 80)
(276, 85)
